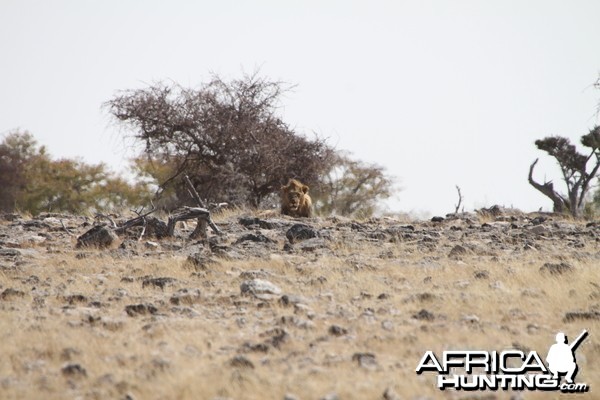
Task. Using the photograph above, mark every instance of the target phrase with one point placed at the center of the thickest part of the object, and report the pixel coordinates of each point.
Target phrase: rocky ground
(281, 308)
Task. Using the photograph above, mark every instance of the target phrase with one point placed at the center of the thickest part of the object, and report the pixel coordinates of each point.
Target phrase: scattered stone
(10, 253)
(11, 294)
(299, 232)
(582, 316)
(437, 219)
(259, 286)
(312, 244)
(330, 396)
(185, 296)
(152, 245)
(241, 362)
(255, 274)
(158, 282)
(67, 353)
(337, 330)
(74, 371)
(556, 269)
(275, 337)
(256, 348)
(497, 285)
(290, 299)
(134, 310)
(365, 360)
(185, 311)
(539, 230)
(252, 222)
(387, 325)
(200, 261)
(424, 315)
(390, 394)
(481, 274)
(457, 251)
(471, 319)
(10, 216)
(493, 211)
(99, 236)
(112, 325)
(422, 297)
(75, 298)
(254, 237)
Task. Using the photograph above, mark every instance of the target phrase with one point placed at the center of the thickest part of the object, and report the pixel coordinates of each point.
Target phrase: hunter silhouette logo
(561, 356)
(509, 369)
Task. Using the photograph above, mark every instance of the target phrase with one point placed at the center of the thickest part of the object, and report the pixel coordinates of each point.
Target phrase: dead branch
(202, 213)
(140, 220)
(193, 192)
(100, 215)
(65, 228)
(460, 198)
(560, 203)
(203, 216)
(143, 229)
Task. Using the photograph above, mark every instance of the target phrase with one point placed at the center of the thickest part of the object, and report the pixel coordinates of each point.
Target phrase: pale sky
(441, 93)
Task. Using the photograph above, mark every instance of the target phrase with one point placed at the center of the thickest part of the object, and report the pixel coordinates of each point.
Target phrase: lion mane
(295, 200)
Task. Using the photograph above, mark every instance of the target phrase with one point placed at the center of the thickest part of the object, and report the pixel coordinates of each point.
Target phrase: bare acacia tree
(574, 169)
(225, 135)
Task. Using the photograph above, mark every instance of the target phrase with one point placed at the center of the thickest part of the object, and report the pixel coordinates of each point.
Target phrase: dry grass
(185, 351)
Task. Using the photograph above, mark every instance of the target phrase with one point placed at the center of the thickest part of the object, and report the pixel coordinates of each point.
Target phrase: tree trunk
(560, 205)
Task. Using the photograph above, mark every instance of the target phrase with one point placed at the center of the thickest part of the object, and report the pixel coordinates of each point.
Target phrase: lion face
(295, 200)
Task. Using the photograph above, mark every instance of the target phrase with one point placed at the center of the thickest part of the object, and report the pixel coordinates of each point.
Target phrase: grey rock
(254, 237)
(241, 362)
(74, 371)
(556, 269)
(299, 232)
(582, 316)
(160, 283)
(10, 253)
(140, 309)
(330, 396)
(312, 244)
(99, 236)
(252, 222)
(481, 274)
(424, 315)
(185, 297)
(200, 261)
(255, 274)
(365, 360)
(539, 230)
(336, 330)
(11, 294)
(457, 251)
(259, 286)
(390, 394)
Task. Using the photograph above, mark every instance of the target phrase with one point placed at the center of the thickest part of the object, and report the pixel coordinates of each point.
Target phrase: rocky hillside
(323, 308)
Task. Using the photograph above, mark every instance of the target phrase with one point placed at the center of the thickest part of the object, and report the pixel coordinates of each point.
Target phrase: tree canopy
(353, 188)
(34, 182)
(574, 169)
(226, 136)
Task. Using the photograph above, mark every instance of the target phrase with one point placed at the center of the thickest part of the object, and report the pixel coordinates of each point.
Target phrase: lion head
(295, 200)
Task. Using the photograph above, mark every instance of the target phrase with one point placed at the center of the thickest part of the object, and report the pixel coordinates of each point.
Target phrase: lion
(295, 200)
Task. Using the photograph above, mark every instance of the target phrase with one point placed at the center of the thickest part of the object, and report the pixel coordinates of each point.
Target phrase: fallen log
(199, 213)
